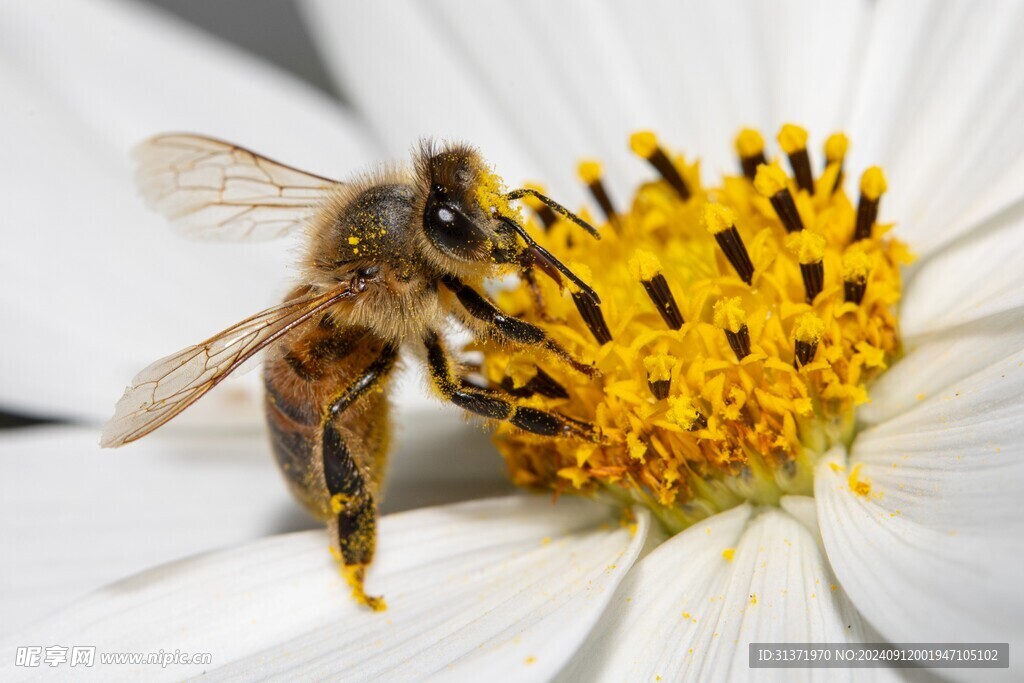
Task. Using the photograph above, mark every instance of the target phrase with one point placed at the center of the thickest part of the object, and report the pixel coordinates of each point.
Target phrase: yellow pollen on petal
(792, 138)
(808, 328)
(729, 554)
(717, 218)
(770, 179)
(749, 143)
(835, 147)
(729, 314)
(872, 183)
(862, 487)
(643, 143)
(769, 338)
(589, 171)
(807, 246)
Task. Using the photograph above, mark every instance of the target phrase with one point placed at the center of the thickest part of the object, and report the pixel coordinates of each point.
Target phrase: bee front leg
(508, 328)
(495, 403)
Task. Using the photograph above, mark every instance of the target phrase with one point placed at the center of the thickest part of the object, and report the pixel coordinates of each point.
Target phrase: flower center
(740, 327)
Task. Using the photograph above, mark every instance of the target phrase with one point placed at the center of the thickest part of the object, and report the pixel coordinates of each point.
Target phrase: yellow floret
(729, 314)
(643, 143)
(681, 412)
(807, 246)
(717, 218)
(589, 171)
(659, 366)
(770, 179)
(749, 143)
(792, 138)
(644, 265)
(872, 183)
(808, 328)
(835, 147)
(856, 265)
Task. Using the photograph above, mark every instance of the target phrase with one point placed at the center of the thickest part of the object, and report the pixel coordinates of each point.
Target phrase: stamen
(659, 374)
(588, 309)
(771, 182)
(750, 147)
(806, 333)
(590, 173)
(645, 144)
(793, 140)
(856, 268)
(872, 186)
(835, 153)
(809, 249)
(721, 222)
(646, 268)
(730, 317)
(682, 412)
(544, 212)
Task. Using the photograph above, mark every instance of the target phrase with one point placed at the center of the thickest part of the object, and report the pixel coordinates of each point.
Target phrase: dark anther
(732, 245)
(659, 292)
(804, 353)
(785, 208)
(660, 388)
(593, 317)
(814, 279)
(739, 341)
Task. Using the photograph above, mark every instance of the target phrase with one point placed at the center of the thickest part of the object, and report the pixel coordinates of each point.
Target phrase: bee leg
(353, 529)
(495, 404)
(509, 328)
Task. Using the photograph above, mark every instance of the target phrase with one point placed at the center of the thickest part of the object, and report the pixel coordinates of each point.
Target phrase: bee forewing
(171, 384)
(215, 190)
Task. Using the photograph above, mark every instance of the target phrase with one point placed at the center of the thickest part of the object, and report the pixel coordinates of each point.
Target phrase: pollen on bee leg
(806, 333)
(589, 311)
(590, 173)
(872, 187)
(771, 182)
(793, 140)
(809, 249)
(645, 144)
(732, 319)
(544, 212)
(659, 374)
(856, 268)
(354, 575)
(750, 148)
(646, 268)
(721, 222)
(835, 154)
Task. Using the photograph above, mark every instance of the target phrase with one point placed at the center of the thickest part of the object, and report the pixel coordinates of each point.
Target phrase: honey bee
(388, 259)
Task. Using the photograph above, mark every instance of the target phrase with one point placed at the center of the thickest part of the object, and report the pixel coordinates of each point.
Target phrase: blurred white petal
(509, 584)
(97, 286)
(933, 551)
(938, 108)
(687, 612)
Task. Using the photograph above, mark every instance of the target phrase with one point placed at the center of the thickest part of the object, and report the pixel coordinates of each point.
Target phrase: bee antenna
(555, 206)
(547, 260)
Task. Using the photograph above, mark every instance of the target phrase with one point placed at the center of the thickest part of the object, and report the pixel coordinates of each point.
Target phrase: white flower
(515, 587)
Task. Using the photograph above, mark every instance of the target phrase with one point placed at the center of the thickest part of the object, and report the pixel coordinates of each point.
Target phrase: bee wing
(172, 384)
(211, 189)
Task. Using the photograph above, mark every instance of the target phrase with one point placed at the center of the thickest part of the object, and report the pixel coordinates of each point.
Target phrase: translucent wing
(172, 384)
(215, 190)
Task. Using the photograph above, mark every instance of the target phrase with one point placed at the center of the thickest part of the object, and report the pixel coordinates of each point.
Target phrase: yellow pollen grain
(717, 218)
(807, 246)
(530, 660)
(338, 502)
(856, 265)
(792, 138)
(637, 449)
(862, 487)
(873, 184)
(808, 328)
(729, 554)
(659, 367)
(353, 241)
(729, 314)
(681, 412)
(753, 598)
(643, 143)
(490, 190)
(770, 179)
(644, 265)
(835, 147)
(589, 171)
(749, 143)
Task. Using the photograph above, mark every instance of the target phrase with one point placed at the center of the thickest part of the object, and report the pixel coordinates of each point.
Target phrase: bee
(389, 258)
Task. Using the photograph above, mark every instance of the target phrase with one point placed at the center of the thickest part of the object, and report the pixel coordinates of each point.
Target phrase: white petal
(686, 612)
(933, 551)
(510, 585)
(941, 359)
(938, 105)
(96, 286)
